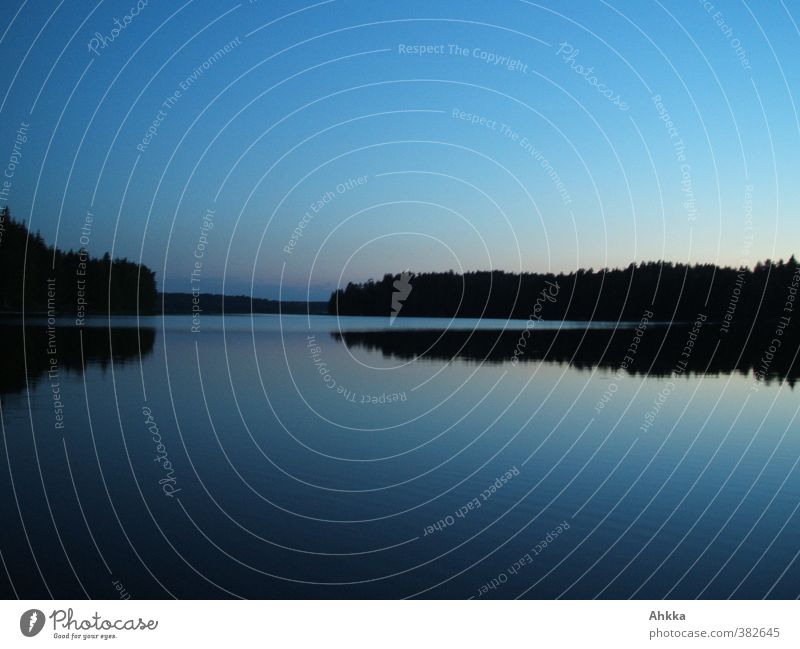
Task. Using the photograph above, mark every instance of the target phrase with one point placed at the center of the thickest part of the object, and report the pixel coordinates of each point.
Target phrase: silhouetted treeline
(182, 303)
(670, 291)
(69, 282)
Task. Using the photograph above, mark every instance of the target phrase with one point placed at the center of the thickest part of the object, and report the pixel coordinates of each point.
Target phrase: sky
(282, 149)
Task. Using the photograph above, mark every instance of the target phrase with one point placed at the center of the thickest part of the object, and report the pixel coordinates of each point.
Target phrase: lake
(324, 457)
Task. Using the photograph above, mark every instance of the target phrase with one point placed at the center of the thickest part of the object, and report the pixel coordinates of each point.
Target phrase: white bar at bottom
(404, 624)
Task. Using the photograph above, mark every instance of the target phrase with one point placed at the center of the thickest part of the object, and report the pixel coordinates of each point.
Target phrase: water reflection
(285, 488)
(29, 351)
(659, 350)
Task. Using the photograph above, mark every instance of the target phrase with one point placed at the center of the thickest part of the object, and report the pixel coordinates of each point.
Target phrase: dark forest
(672, 292)
(41, 278)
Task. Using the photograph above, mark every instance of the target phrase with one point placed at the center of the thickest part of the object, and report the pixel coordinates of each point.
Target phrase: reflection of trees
(660, 350)
(100, 345)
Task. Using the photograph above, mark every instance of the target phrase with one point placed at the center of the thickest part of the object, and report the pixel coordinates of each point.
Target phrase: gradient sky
(312, 95)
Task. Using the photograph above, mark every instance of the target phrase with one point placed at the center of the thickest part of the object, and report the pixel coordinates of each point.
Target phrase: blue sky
(311, 96)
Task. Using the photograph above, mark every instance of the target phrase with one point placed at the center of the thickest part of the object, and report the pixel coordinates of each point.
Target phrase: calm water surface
(321, 457)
